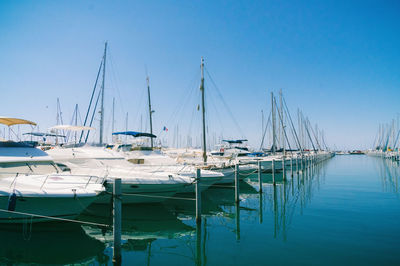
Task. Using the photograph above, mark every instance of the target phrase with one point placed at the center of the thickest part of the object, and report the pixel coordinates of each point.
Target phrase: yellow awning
(9, 121)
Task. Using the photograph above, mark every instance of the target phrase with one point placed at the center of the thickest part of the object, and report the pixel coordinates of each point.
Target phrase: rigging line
(91, 98)
(79, 114)
(185, 97)
(193, 116)
(180, 115)
(93, 114)
(59, 114)
(284, 130)
(376, 136)
(291, 122)
(265, 130)
(315, 136)
(140, 106)
(71, 123)
(216, 111)
(323, 139)
(223, 101)
(397, 138)
(114, 76)
(308, 132)
(291, 129)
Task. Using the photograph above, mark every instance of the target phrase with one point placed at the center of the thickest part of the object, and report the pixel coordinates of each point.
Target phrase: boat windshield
(43, 167)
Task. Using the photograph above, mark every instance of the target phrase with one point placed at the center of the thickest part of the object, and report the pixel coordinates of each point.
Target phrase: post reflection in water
(156, 233)
(237, 219)
(389, 172)
(288, 195)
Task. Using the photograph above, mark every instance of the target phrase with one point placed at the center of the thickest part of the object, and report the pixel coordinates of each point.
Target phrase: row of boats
(61, 181)
(386, 143)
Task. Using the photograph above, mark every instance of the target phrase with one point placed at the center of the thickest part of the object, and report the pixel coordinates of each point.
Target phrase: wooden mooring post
(117, 209)
(236, 183)
(283, 169)
(198, 196)
(259, 177)
(273, 172)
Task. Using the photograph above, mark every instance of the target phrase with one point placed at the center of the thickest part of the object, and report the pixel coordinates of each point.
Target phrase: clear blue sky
(338, 61)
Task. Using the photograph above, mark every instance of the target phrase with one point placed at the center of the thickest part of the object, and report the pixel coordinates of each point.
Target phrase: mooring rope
(54, 218)
(154, 196)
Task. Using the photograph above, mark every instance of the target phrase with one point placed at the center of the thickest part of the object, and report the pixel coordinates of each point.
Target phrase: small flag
(165, 129)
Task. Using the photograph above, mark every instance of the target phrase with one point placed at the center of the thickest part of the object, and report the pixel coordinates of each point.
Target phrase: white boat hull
(142, 193)
(44, 207)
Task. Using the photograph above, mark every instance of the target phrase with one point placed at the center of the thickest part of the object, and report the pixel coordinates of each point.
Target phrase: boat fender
(12, 202)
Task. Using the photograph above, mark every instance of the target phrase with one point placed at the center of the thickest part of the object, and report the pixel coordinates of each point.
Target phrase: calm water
(347, 211)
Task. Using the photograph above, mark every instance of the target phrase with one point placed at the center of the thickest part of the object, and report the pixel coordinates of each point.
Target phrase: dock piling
(236, 183)
(198, 196)
(273, 172)
(259, 177)
(117, 221)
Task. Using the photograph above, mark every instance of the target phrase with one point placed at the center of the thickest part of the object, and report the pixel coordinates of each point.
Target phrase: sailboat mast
(203, 112)
(262, 127)
(282, 124)
(76, 118)
(150, 111)
(102, 96)
(273, 124)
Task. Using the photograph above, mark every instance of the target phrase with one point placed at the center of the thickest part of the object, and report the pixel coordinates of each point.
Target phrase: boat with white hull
(46, 196)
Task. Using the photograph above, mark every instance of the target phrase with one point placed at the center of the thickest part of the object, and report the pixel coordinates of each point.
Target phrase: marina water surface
(344, 211)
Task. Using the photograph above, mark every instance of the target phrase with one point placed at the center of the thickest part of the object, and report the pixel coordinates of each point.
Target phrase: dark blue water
(346, 211)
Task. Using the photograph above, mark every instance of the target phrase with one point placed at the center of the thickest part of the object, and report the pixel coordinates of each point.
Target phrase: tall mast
(102, 96)
(273, 124)
(76, 118)
(283, 123)
(150, 111)
(203, 112)
(59, 118)
(262, 126)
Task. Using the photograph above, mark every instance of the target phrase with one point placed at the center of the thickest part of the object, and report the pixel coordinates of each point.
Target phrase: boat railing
(90, 177)
(98, 180)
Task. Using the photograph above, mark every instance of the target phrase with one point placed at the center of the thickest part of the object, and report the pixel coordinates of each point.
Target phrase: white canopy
(71, 128)
(9, 121)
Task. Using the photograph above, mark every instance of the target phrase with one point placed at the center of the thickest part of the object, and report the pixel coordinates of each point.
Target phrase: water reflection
(389, 172)
(48, 244)
(141, 225)
(290, 194)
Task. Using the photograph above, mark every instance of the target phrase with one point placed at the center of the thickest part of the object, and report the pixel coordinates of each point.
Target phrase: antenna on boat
(102, 96)
(203, 111)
